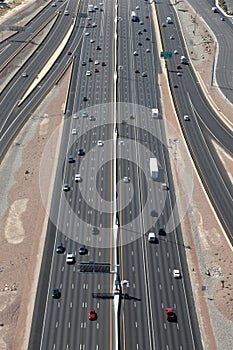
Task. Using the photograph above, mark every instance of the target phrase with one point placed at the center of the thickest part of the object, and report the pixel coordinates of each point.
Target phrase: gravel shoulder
(22, 217)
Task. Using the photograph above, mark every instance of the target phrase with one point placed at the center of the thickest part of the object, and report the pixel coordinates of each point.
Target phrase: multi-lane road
(112, 217)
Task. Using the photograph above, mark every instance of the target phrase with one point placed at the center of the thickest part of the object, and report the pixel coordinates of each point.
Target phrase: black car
(81, 152)
(56, 293)
(60, 248)
(84, 98)
(162, 232)
(98, 47)
(84, 63)
(90, 60)
(82, 249)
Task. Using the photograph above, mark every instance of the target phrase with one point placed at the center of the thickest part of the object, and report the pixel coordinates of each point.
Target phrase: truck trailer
(154, 171)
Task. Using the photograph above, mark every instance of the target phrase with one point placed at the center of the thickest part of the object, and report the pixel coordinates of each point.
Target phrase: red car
(96, 70)
(170, 315)
(92, 315)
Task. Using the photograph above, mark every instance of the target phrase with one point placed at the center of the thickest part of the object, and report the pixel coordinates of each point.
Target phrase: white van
(151, 237)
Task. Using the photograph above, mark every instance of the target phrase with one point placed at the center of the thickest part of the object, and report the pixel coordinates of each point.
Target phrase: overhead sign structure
(166, 54)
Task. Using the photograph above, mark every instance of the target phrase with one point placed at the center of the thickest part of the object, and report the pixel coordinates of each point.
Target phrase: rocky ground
(23, 216)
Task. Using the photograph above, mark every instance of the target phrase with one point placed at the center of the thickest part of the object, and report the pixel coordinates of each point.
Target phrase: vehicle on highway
(147, 16)
(162, 231)
(176, 273)
(66, 13)
(170, 315)
(222, 19)
(66, 187)
(96, 70)
(154, 169)
(87, 34)
(100, 143)
(176, 52)
(179, 74)
(74, 132)
(88, 73)
(92, 118)
(96, 62)
(54, 4)
(70, 258)
(144, 74)
(69, 53)
(137, 8)
(136, 71)
(81, 152)
(77, 178)
(92, 315)
(92, 41)
(147, 38)
(172, 37)
(84, 63)
(103, 64)
(151, 237)
(94, 25)
(75, 116)
(85, 99)
(169, 20)
(134, 17)
(60, 248)
(98, 47)
(147, 50)
(139, 44)
(84, 114)
(126, 179)
(95, 230)
(70, 158)
(183, 60)
(135, 53)
(90, 59)
(24, 75)
(163, 25)
(139, 32)
(88, 24)
(82, 250)
(178, 66)
(141, 23)
(56, 293)
(165, 187)
(186, 117)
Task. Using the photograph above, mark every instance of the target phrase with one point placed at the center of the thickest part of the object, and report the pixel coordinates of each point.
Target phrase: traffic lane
(169, 294)
(223, 32)
(134, 308)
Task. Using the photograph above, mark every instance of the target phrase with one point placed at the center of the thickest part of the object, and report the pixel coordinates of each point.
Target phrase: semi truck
(154, 171)
(134, 17)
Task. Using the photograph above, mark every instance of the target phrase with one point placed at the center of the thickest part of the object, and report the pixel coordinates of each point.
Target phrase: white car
(100, 143)
(126, 179)
(24, 75)
(135, 53)
(88, 73)
(144, 74)
(137, 8)
(74, 132)
(70, 258)
(92, 41)
(77, 178)
(66, 13)
(175, 52)
(75, 116)
(176, 273)
(97, 62)
(87, 33)
(179, 74)
(147, 50)
(186, 117)
(172, 37)
(93, 24)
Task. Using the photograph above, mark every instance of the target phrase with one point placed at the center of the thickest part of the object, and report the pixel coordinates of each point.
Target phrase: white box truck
(155, 113)
(90, 8)
(154, 171)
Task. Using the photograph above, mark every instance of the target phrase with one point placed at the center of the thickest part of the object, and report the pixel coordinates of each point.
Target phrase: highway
(86, 213)
(189, 100)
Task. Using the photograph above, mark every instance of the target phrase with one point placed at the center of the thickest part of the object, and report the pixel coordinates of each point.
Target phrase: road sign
(166, 54)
